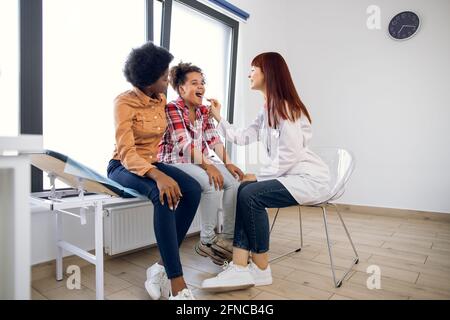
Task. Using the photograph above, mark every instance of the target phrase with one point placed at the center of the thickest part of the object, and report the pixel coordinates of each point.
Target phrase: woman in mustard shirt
(140, 123)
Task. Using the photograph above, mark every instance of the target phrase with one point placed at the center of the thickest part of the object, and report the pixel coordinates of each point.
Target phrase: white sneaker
(261, 277)
(157, 283)
(232, 278)
(184, 294)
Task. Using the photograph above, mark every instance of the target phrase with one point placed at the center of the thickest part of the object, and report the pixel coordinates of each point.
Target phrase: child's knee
(210, 190)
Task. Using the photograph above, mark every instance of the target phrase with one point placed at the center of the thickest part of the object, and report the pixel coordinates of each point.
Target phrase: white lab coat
(292, 163)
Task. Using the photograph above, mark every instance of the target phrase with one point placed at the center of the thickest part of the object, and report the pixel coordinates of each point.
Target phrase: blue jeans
(251, 230)
(170, 226)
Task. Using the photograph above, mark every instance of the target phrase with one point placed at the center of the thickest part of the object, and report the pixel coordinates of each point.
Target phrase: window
(157, 20)
(9, 67)
(83, 63)
(206, 42)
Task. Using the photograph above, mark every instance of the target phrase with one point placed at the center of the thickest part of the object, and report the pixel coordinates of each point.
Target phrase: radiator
(130, 227)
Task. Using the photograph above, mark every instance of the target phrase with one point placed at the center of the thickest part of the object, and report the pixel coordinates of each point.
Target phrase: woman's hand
(249, 177)
(167, 186)
(235, 171)
(214, 176)
(215, 109)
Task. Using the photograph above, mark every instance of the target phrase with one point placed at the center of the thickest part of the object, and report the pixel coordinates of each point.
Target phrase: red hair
(283, 100)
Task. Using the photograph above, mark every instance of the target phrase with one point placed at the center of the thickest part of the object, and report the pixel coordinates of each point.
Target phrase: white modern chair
(341, 164)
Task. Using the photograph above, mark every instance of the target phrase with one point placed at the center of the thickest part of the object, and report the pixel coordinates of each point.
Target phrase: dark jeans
(170, 226)
(252, 223)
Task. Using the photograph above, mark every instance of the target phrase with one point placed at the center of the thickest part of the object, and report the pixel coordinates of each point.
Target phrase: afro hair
(146, 64)
(178, 73)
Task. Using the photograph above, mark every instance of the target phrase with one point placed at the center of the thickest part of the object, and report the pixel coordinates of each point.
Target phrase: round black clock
(404, 25)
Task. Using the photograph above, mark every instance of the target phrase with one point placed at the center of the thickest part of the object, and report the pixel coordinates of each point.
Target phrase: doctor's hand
(215, 109)
(249, 177)
(235, 171)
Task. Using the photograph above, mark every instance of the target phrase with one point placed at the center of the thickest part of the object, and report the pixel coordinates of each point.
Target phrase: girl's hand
(215, 177)
(249, 177)
(215, 109)
(167, 186)
(235, 171)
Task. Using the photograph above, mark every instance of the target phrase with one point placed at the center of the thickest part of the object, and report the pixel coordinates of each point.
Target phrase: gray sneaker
(205, 250)
(223, 247)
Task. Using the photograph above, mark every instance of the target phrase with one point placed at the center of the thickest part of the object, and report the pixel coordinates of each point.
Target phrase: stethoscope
(270, 135)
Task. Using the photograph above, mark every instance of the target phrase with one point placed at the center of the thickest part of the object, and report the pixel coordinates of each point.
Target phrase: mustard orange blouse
(140, 123)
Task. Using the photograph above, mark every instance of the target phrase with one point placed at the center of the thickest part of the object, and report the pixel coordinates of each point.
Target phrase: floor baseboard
(403, 213)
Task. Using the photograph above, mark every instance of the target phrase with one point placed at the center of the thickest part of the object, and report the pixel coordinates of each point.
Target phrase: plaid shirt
(181, 135)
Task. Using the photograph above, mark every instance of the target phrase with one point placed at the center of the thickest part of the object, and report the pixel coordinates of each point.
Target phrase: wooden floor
(413, 253)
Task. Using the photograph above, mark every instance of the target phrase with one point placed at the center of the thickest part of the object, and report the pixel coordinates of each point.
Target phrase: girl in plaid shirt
(186, 144)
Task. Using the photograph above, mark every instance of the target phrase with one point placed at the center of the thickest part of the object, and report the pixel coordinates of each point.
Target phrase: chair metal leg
(274, 220)
(301, 229)
(346, 231)
(301, 234)
(337, 283)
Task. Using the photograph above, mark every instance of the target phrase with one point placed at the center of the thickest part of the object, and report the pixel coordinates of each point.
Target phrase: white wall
(387, 101)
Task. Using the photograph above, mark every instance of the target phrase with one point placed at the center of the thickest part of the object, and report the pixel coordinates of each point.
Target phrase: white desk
(15, 254)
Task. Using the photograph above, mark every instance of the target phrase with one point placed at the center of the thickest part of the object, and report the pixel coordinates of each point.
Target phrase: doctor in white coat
(294, 175)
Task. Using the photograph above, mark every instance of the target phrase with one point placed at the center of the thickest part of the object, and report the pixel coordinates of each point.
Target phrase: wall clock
(404, 25)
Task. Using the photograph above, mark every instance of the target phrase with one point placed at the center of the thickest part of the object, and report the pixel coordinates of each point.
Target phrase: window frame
(210, 12)
(31, 61)
(31, 76)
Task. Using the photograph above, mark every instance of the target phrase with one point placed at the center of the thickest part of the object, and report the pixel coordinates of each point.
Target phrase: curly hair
(178, 73)
(146, 64)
